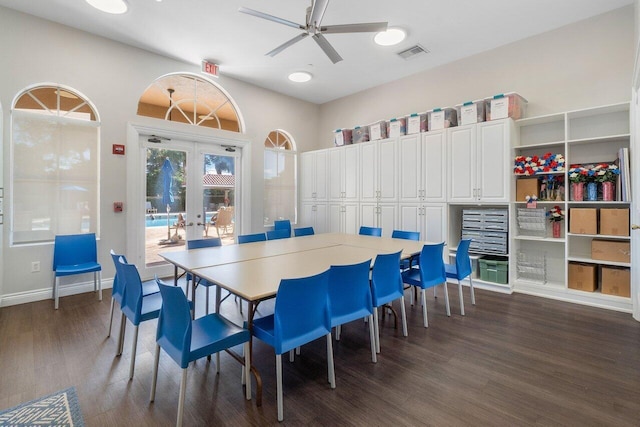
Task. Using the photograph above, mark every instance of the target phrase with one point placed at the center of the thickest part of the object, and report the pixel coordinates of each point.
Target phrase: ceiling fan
(313, 27)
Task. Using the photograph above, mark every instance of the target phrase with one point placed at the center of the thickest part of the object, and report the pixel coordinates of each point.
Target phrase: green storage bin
(494, 270)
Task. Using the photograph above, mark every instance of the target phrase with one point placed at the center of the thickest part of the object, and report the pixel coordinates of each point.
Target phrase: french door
(190, 193)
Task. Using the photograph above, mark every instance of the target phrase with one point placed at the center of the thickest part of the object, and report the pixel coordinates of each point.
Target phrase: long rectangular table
(253, 271)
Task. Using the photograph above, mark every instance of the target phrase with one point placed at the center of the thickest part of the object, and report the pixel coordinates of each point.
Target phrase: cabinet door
(334, 172)
(307, 215)
(410, 218)
(435, 217)
(462, 163)
(307, 175)
(387, 218)
(351, 157)
(388, 170)
(493, 161)
(410, 169)
(350, 218)
(334, 217)
(321, 175)
(434, 166)
(369, 214)
(320, 225)
(369, 172)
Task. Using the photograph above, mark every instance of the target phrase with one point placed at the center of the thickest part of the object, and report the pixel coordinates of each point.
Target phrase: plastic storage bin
(505, 105)
(441, 118)
(416, 123)
(378, 130)
(470, 112)
(396, 127)
(360, 134)
(494, 270)
(342, 137)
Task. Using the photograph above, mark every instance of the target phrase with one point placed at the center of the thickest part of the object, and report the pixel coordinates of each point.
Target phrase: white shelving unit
(591, 135)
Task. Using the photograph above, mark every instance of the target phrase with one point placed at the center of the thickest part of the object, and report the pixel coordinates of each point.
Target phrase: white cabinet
(313, 175)
(480, 162)
(378, 171)
(314, 214)
(382, 215)
(422, 167)
(343, 173)
(429, 219)
(342, 217)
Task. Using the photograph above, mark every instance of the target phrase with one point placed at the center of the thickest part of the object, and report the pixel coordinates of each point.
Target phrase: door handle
(189, 224)
(635, 226)
(201, 223)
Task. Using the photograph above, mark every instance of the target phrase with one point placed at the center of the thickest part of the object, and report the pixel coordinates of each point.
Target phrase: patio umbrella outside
(167, 196)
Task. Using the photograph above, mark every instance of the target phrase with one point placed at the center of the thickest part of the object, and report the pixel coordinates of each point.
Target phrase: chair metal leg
(154, 379)
(206, 304)
(338, 331)
(56, 291)
(291, 356)
(113, 303)
(183, 389)
(217, 362)
(372, 338)
(99, 281)
(376, 325)
(461, 295)
(123, 326)
(424, 308)
(297, 351)
(473, 294)
(331, 369)
(247, 370)
(446, 299)
(134, 346)
(279, 385)
(404, 317)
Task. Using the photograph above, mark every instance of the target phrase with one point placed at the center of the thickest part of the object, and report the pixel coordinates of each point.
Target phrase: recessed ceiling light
(390, 37)
(115, 7)
(300, 76)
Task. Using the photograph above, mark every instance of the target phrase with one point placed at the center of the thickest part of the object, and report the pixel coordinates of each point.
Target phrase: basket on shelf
(532, 222)
(531, 267)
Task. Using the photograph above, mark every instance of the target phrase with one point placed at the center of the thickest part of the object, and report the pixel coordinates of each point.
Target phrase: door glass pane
(166, 195)
(218, 198)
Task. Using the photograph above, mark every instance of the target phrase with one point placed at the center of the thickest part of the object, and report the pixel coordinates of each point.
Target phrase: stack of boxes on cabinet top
(496, 107)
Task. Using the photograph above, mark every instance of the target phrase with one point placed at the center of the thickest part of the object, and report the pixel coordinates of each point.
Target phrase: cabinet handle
(479, 193)
(475, 192)
(635, 227)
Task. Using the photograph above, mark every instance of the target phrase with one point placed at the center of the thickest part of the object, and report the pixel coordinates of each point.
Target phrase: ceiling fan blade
(270, 17)
(370, 27)
(327, 48)
(285, 45)
(317, 12)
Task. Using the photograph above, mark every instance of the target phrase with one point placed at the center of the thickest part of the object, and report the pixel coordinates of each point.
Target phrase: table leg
(218, 300)
(251, 309)
(175, 275)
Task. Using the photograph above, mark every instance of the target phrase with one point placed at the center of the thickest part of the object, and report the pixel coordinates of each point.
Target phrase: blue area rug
(57, 409)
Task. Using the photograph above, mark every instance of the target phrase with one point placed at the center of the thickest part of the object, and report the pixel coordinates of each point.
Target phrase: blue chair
(136, 307)
(301, 315)
(430, 274)
(304, 231)
(386, 287)
(462, 269)
(350, 298)
(407, 235)
(278, 234)
(75, 254)
(199, 244)
(117, 290)
(249, 238)
(370, 231)
(282, 224)
(186, 340)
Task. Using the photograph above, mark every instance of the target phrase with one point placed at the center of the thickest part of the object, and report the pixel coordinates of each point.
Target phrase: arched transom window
(55, 164)
(279, 177)
(187, 98)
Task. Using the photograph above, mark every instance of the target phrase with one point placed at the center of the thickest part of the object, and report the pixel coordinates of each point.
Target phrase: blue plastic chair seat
(68, 270)
(150, 309)
(264, 330)
(75, 254)
(451, 270)
(386, 287)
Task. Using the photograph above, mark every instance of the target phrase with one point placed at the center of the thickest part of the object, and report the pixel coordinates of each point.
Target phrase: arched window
(55, 164)
(187, 98)
(280, 181)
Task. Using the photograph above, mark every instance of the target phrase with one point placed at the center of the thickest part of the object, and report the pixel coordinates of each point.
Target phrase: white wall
(113, 76)
(577, 66)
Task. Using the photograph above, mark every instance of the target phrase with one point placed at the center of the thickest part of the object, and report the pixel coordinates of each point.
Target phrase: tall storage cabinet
(588, 136)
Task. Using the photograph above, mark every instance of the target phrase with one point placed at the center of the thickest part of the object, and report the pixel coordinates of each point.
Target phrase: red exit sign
(210, 68)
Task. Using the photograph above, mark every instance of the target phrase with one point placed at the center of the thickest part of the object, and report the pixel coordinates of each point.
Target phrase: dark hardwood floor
(512, 360)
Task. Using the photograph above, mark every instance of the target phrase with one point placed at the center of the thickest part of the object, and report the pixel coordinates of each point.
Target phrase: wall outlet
(35, 266)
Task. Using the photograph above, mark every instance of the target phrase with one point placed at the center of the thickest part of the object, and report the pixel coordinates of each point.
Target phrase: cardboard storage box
(505, 105)
(615, 281)
(527, 187)
(583, 221)
(583, 277)
(611, 250)
(614, 222)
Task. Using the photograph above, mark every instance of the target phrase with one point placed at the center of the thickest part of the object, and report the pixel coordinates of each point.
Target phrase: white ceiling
(192, 30)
